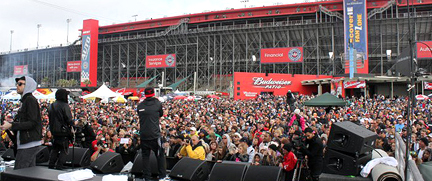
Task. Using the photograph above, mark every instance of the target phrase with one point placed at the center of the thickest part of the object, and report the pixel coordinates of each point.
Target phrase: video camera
(102, 143)
(298, 142)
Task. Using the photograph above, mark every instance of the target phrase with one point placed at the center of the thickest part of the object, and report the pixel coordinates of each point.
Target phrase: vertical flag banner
(89, 51)
(355, 28)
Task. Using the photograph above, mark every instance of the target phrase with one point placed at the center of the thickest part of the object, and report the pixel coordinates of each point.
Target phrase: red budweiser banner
(424, 51)
(250, 85)
(161, 61)
(21, 70)
(282, 55)
(354, 84)
(428, 85)
(74, 66)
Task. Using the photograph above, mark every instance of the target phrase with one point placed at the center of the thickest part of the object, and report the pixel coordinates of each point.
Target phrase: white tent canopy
(38, 95)
(12, 95)
(103, 92)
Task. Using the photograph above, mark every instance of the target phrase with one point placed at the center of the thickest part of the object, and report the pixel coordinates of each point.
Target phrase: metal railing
(413, 171)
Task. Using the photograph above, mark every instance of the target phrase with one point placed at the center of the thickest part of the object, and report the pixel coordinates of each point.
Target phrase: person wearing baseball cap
(314, 151)
(149, 112)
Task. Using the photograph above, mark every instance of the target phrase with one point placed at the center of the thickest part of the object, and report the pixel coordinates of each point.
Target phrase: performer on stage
(26, 126)
(60, 122)
(150, 111)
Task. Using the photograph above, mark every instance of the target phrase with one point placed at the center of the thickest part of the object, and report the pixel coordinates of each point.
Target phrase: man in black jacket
(149, 112)
(60, 122)
(314, 152)
(27, 125)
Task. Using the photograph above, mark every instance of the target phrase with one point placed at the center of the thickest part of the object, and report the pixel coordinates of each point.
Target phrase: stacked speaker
(197, 170)
(348, 149)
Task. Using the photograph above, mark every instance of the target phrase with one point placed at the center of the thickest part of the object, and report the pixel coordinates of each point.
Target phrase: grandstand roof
(243, 13)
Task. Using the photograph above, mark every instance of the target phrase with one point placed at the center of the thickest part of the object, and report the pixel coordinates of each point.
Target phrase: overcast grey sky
(23, 16)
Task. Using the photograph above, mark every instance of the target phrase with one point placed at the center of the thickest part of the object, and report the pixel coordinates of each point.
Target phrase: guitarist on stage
(60, 122)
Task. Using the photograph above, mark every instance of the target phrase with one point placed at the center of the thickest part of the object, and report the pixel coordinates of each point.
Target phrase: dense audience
(259, 131)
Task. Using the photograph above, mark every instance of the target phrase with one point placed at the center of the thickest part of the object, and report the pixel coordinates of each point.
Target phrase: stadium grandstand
(218, 43)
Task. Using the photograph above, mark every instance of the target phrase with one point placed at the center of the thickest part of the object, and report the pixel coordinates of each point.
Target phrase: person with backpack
(60, 123)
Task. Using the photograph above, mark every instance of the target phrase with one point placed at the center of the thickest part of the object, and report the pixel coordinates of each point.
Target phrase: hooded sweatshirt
(149, 112)
(29, 102)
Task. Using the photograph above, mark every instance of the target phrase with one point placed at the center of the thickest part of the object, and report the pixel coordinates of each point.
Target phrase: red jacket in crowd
(289, 162)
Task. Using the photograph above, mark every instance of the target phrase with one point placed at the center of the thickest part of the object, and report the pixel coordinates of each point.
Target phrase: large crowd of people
(267, 130)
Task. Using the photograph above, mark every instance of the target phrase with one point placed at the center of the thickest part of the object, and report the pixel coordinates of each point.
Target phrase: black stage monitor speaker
(190, 169)
(228, 172)
(8, 155)
(42, 154)
(108, 162)
(336, 162)
(270, 173)
(351, 138)
(81, 157)
(138, 164)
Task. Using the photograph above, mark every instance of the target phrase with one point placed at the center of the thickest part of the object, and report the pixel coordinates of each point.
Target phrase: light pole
(135, 16)
(245, 2)
(331, 57)
(38, 26)
(67, 35)
(12, 31)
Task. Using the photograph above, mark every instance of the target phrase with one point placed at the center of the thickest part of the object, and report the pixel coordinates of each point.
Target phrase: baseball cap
(19, 78)
(149, 92)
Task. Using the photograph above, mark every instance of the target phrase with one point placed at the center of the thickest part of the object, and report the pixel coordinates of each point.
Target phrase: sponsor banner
(161, 61)
(336, 86)
(424, 50)
(428, 85)
(74, 66)
(89, 52)
(282, 55)
(250, 85)
(355, 32)
(354, 84)
(21, 70)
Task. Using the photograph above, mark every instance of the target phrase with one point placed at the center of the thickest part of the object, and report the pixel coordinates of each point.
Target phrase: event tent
(12, 95)
(325, 100)
(103, 92)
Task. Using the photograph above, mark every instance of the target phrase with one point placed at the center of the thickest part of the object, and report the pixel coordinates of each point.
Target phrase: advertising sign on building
(74, 66)
(21, 70)
(89, 51)
(282, 55)
(355, 28)
(428, 85)
(354, 84)
(250, 85)
(424, 50)
(161, 61)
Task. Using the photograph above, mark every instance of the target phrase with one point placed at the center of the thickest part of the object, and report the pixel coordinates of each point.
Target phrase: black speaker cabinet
(351, 138)
(190, 169)
(336, 162)
(42, 154)
(138, 164)
(108, 162)
(8, 155)
(81, 157)
(270, 173)
(228, 172)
